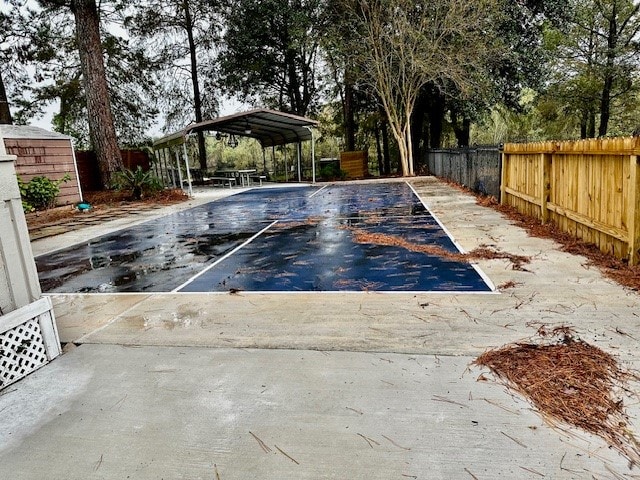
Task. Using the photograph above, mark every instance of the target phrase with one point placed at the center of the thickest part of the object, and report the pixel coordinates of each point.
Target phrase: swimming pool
(347, 237)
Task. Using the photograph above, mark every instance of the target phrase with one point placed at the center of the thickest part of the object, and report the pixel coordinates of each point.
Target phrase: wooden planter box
(355, 163)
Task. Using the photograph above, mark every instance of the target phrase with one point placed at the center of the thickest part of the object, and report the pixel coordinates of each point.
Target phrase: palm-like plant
(138, 181)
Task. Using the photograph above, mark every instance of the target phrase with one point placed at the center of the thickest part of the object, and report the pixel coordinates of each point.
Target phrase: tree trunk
(349, 117)
(298, 106)
(591, 124)
(463, 133)
(436, 119)
(376, 132)
(404, 154)
(386, 153)
(462, 130)
(100, 118)
(408, 142)
(197, 99)
(5, 112)
(61, 122)
(612, 44)
(417, 127)
(202, 151)
(403, 140)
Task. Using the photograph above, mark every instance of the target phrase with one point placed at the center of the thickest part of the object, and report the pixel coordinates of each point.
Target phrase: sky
(227, 106)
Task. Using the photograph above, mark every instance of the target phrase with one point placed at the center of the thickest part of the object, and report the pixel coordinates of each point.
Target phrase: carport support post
(178, 166)
(168, 167)
(171, 171)
(264, 161)
(162, 167)
(286, 167)
(273, 160)
(157, 164)
(313, 155)
(164, 170)
(299, 161)
(168, 170)
(186, 164)
(154, 162)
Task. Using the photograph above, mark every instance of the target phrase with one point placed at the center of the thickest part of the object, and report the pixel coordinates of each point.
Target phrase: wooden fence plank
(633, 210)
(589, 188)
(504, 178)
(545, 185)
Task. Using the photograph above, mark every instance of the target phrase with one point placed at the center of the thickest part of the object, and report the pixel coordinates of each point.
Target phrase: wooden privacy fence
(89, 172)
(588, 188)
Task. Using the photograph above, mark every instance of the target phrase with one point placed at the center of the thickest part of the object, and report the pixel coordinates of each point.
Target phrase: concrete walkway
(317, 385)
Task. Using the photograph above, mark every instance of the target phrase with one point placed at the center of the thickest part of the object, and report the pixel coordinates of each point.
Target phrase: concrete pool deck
(317, 385)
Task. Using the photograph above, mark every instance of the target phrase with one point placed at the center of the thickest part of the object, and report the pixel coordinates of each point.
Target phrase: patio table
(244, 176)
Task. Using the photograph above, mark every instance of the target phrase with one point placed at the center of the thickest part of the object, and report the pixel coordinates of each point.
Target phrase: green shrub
(137, 181)
(40, 193)
(331, 172)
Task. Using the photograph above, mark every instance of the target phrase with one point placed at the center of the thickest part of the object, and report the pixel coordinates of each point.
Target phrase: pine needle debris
(569, 381)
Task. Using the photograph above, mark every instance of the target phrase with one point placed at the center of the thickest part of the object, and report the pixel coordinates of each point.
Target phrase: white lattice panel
(28, 340)
(22, 351)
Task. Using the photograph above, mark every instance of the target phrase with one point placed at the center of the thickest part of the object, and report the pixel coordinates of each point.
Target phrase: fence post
(633, 222)
(545, 185)
(503, 176)
(19, 283)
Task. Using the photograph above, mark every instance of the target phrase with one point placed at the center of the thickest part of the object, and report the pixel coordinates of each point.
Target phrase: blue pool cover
(284, 239)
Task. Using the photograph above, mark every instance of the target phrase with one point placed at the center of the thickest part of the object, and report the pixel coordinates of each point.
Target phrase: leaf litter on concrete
(615, 269)
(107, 201)
(372, 238)
(570, 382)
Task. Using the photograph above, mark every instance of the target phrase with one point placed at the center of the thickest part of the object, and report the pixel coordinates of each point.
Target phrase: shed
(41, 153)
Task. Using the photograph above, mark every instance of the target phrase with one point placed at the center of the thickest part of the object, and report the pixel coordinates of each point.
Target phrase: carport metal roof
(269, 127)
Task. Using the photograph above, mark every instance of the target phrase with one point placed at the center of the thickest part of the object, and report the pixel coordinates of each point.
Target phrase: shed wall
(51, 158)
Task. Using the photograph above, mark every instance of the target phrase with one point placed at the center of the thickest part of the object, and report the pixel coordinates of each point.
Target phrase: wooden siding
(51, 158)
(588, 188)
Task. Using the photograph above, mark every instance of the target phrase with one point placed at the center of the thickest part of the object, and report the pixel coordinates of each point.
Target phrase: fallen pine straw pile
(167, 196)
(570, 381)
(364, 237)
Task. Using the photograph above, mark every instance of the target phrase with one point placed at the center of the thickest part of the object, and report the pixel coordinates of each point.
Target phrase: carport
(270, 128)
